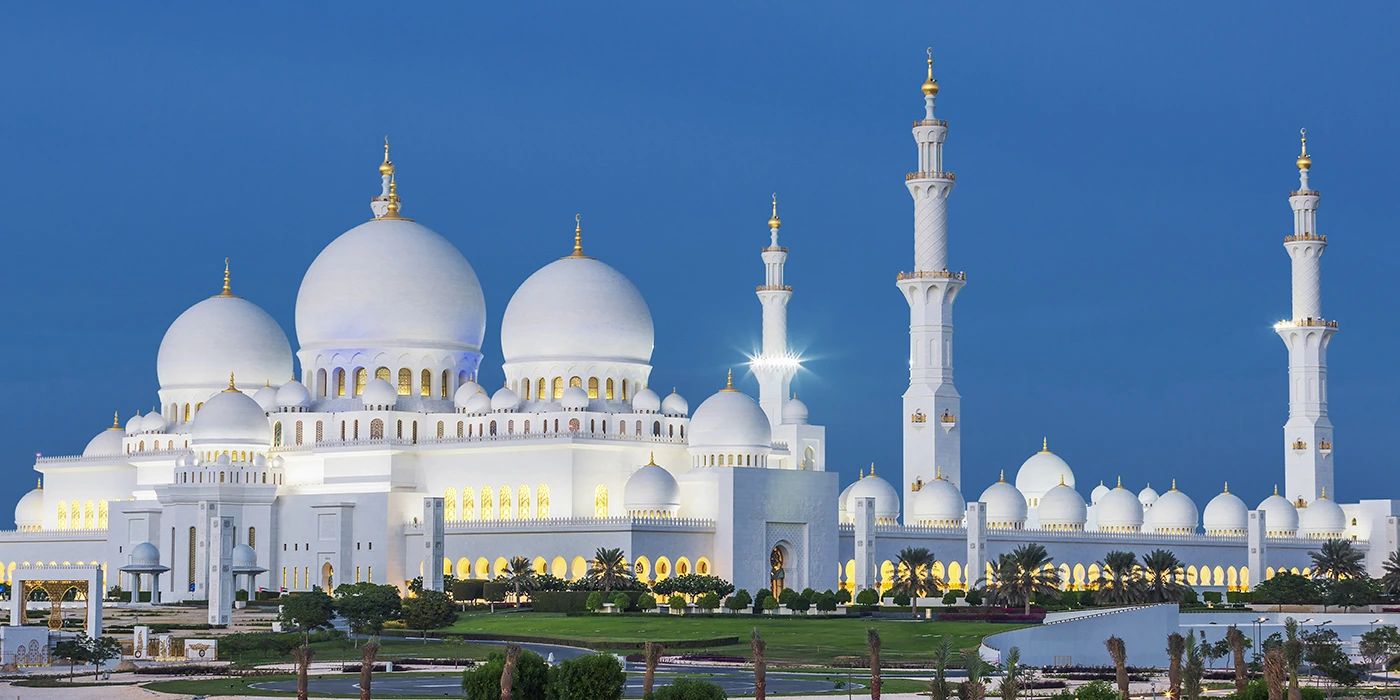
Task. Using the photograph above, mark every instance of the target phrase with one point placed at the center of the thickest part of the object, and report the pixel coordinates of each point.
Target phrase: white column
(434, 526)
(976, 543)
(220, 571)
(1257, 537)
(866, 568)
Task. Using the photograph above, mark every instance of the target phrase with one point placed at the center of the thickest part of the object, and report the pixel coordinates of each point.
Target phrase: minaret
(774, 366)
(380, 205)
(931, 404)
(1307, 435)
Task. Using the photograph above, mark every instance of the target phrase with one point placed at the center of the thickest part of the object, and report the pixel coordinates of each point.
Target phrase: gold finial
(1045, 444)
(387, 167)
(41, 483)
(115, 424)
(392, 211)
(1275, 489)
(578, 237)
(937, 472)
(729, 383)
(775, 222)
(1120, 481)
(1173, 484)
(1227, 487)
(862, 473)
(872, 469)
(1062, 479)
(1002, 479)
(231, 387)
(1304, 161)
(227, 291)
(1324, 493)
(652, 461)
(930, 85)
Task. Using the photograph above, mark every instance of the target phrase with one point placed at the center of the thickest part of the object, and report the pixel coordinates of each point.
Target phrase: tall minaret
(931, 404)
(775, 366)
(1308, 433)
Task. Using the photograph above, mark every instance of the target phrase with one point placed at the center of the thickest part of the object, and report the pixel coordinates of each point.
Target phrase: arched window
(89, 515)
(62, 515)
(321, 383)
(449, 504)
(376, 429)
(459, 428)
(187, 413)
(656, 428)
(399, 430)
(542, 497)
(573, 425)
(382, 373)
(527, 427)
(505, 503)
(426, 388)
(576, 382)
(639, 428)
(670, 431)
(253, 534)
(510, 427)
(440, 429)
(609, 388)
(600, 501)
(193, 546)
(298, 432)
(414, 436)
(624, 390)
(102, 514)
(405, 381)
(525, 393)
(592, 426)
(446, 380)
(493, 428)
(361, 379)
(522, 503)
(342, 431)
(558, 387)
(468, 503)
(592, 387)
(622, 427)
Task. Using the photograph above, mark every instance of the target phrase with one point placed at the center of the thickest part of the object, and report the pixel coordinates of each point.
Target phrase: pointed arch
(542, 497)
(449, 504)
(600, 501)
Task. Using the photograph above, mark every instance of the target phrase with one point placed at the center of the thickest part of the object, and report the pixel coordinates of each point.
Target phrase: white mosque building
(327, 467)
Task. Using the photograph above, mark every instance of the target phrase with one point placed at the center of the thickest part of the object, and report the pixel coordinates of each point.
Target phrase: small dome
(478, 404)
(504, 400)
(29, 512)
(646, 401)
(885, 495)
(1062, 508)
(1175, 513)
(1118, 511)
(266, 396)
(152, 423)
(841, 500)
(464, 394)
(278, 462)
(730, 419)
(651, 488)
(232, 416)
(145, 554)
(244, 557)
(794, 412)
(1042, 472)
(1147, 496)
(1006, 507)
(1280, 516)
(219, 335)
(938, 504)
(675, 405)
(1225, 514)
(577, 309)
(1322, 519)
(575, 399)
(1098, 493)
(107, 443)
(133, 425)
(293, 394)
(379, 392)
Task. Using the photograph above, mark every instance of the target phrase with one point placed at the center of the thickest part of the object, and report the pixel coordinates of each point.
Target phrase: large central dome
(391, 283)
(577, 309)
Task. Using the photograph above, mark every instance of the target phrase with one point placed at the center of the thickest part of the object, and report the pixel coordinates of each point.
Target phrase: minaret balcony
(1306, 236)
(1304, 193)
(1324, 447)
(1308, 322)
(948, 420)
(1299, 446)
(774, 288)
(931, 175)
(931, 274)
(930, 122)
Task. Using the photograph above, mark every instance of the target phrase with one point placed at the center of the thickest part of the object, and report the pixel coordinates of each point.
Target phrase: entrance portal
(327, 577)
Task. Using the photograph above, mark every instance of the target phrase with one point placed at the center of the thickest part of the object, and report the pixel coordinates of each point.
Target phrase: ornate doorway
(776, 571)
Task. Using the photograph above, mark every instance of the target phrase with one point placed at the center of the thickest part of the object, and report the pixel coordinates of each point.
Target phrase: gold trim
(775, 222)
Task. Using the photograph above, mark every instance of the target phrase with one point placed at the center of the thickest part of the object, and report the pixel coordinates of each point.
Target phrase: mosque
(376, 456)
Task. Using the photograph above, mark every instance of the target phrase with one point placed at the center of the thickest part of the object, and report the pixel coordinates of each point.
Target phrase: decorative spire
(1045, 444)
(1173, 484)
(1275, 489)
(937, 472)
(395, 203)
(872, 469)
(774, 222)
(41, 483)
(387, 167)
(1227, 487)
(729, 383)
(231, 387)
(1324, 493)
(930, 85)
(578, 238)
(227, 291)
(862, 473)
(115, 424)
(652, 461)
(1120, 481)
(1002, 479)
(1304, 160)
(1062, 479)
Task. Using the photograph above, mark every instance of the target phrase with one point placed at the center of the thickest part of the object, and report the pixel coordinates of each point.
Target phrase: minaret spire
(1307, 436)
(227, 291)
(578, 239)
(930, 290)
(775, 365)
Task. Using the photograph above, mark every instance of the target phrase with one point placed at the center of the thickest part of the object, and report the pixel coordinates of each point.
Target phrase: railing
(774, 288)
(504, 437)
(775, 249)
(108, 458)
(54, 533)
(1310, 322)
(931, 274)
(1299, 193)
(1305, 237)
(846, 529)
(931, 175)
(779, 445)
(621, 521)
(930, 122)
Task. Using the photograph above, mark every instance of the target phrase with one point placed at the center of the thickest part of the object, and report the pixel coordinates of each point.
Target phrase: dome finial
(937, 472)
(774, 222)
(387, 167)
(1062, 479)
(862, 473)
(651, 462)
(1275, 489)
(872, 469)
(930, 85)
(1120, 481)
(1227, 487)
(1045, 444)
(115, 424)
(227, 291)
(578, 237)
(729, 383)
(1304, 160)
(391, 211)
(1002, 478)
(231, 387)
(1324, 493)
(1173, 484)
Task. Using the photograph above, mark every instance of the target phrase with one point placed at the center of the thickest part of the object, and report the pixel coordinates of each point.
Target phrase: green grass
(390, 649)
(790, 640)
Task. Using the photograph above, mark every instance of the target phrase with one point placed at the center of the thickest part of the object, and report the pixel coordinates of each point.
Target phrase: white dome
(575, 399)
(1280, 516)
(390, 283)
(1174, 513)
(1099, 492)
(577, 309)
(266, 397)
(133, 425)
(152, 423)
(794, 412)
(885, 495)
(29, 512)
(841, 500)
(293, 394)
(938, 503)
(244, 557)
(730, 419)
(218, 336)
(1006, 506)
(504, 400)
(278, 462)
(107, 443)
(477, 404)
(1118, 511)
(651, 488)
(1062, 508)
(675, 405)
(379, 392)
(646, 401)
(145, 554)
(1322, 519)
(232, 416)
(1148, 496)
(1225, 514)
(465, 393)
(1042, 472)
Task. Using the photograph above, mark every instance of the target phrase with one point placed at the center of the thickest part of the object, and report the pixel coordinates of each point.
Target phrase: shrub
(530, 679)
(594, 602)
(1093, 690)
(463, 591)
(493, 591)
(676, 602)
(708, 601)
(759, 598)
(809, 594)
(1212, 597)
(869, 596)
(1188, 596)
(1240, 596)
(560, 601)
(241, 594)
(843, 597)
(770, 603)
(739, 600)
(786, 596)
(686, 688)
(646, 601)
(826, 602)
(901, 599)
(621, 601)
(799, 604)
(1259, 690)
(589, 677)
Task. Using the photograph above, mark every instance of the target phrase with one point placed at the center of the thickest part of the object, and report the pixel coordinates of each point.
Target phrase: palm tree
(1390, 580)
(914, 576)
(872, 643)
(942, 656)
(508, 671)
(1195, 669)
(975, 687)
(367, 654)
(520, 574)
(1338, 559)
(653, 653)
(1236, 639)
(1176, 646)
(1118, 580)
(760, 665)
(1275, 673)
(1119, 653)
(1024, 574)
(1292, 656)
(609, 568)
(1159, 575)
(1010, 682)
(302, 655)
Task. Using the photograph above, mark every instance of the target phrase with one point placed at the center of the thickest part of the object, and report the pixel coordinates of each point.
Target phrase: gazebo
(145, 559)
(245, 563)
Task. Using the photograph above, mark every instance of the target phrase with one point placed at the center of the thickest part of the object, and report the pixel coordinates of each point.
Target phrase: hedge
(464, 590)
(491, 590)
(558, 601)
(566, 641)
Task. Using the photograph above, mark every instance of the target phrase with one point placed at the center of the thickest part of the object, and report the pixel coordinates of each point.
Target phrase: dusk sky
(1122, 180)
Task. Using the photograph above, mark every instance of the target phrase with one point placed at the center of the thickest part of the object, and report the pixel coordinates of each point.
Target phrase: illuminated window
(459, 428)
(340, 382)
(468, 503)
(369, 574)
(600, 501)
(609, 389)
(89, 515)
(576, 382)
(376, 429)
(542, 496)
(187, 413)
(522, 504)
(426, 388)
(193, 545)
(298, 432)
(382, 373)
(540, 393)
(592, 387)
(252, 538)
(573, 425)
(62, 515)
(405, 381)
(624, 390)
(558, 387)
(526, 393)
(449, 502)
(102, 514)
(277, 433)
(505, 503)
(321, 383)
(446, 381)
(361, 379)
(75, 515)
(486, 502)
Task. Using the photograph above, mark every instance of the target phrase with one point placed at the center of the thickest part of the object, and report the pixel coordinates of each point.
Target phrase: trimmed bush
(708, 601)
(974, 597)
(590, 677)
(799, 604)
(646, 601)
(1240, 596)
(739, 600)
(770, 603)
(621, 601)
(676, 602)
(686, 688)
(1212, 597)
(786, 596)
(901, 599)
(843, 597)
(494, 592)
(530, 680)
(470, 589)
(561, 601)
(826, 602)
(594, 602)
(869, 596)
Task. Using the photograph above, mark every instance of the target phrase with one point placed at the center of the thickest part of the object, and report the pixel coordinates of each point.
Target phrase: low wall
(1080, 640)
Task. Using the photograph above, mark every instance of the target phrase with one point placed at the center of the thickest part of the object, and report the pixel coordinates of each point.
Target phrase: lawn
(390, 649)
(790, 639)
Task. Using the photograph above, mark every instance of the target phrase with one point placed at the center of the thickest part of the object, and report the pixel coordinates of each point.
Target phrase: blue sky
(1123, 172)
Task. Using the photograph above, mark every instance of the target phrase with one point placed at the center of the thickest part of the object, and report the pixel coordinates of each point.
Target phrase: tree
(302, 655)
(1287, 589)
(1176, 648)
(594, 602)
(1323, 651)
(1159, 574)
(367, 655)
(1024, 574)
(1380, 644)
(869, 596)
(760, 665)
(75, 650)
(367, 606)
(1275, 672)
(872, 644)
(1238, 642)
(652, 653)
(1011, 679)
(1119, 653)
(646, 601)
(1292, 656)
(914, 576)
(508, 671)
(589, 677)
(1118, 581)
(609, 568)
(1390, 580)
(1349, 592)
(687, 688)
(520, 576)
(942, 656)
(826, 602)
(739, 601)
(529, 679)
(305, 612)
(975, 685)
(99, 650)
(430, 610)
(1194, 670)
(1338, 559)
